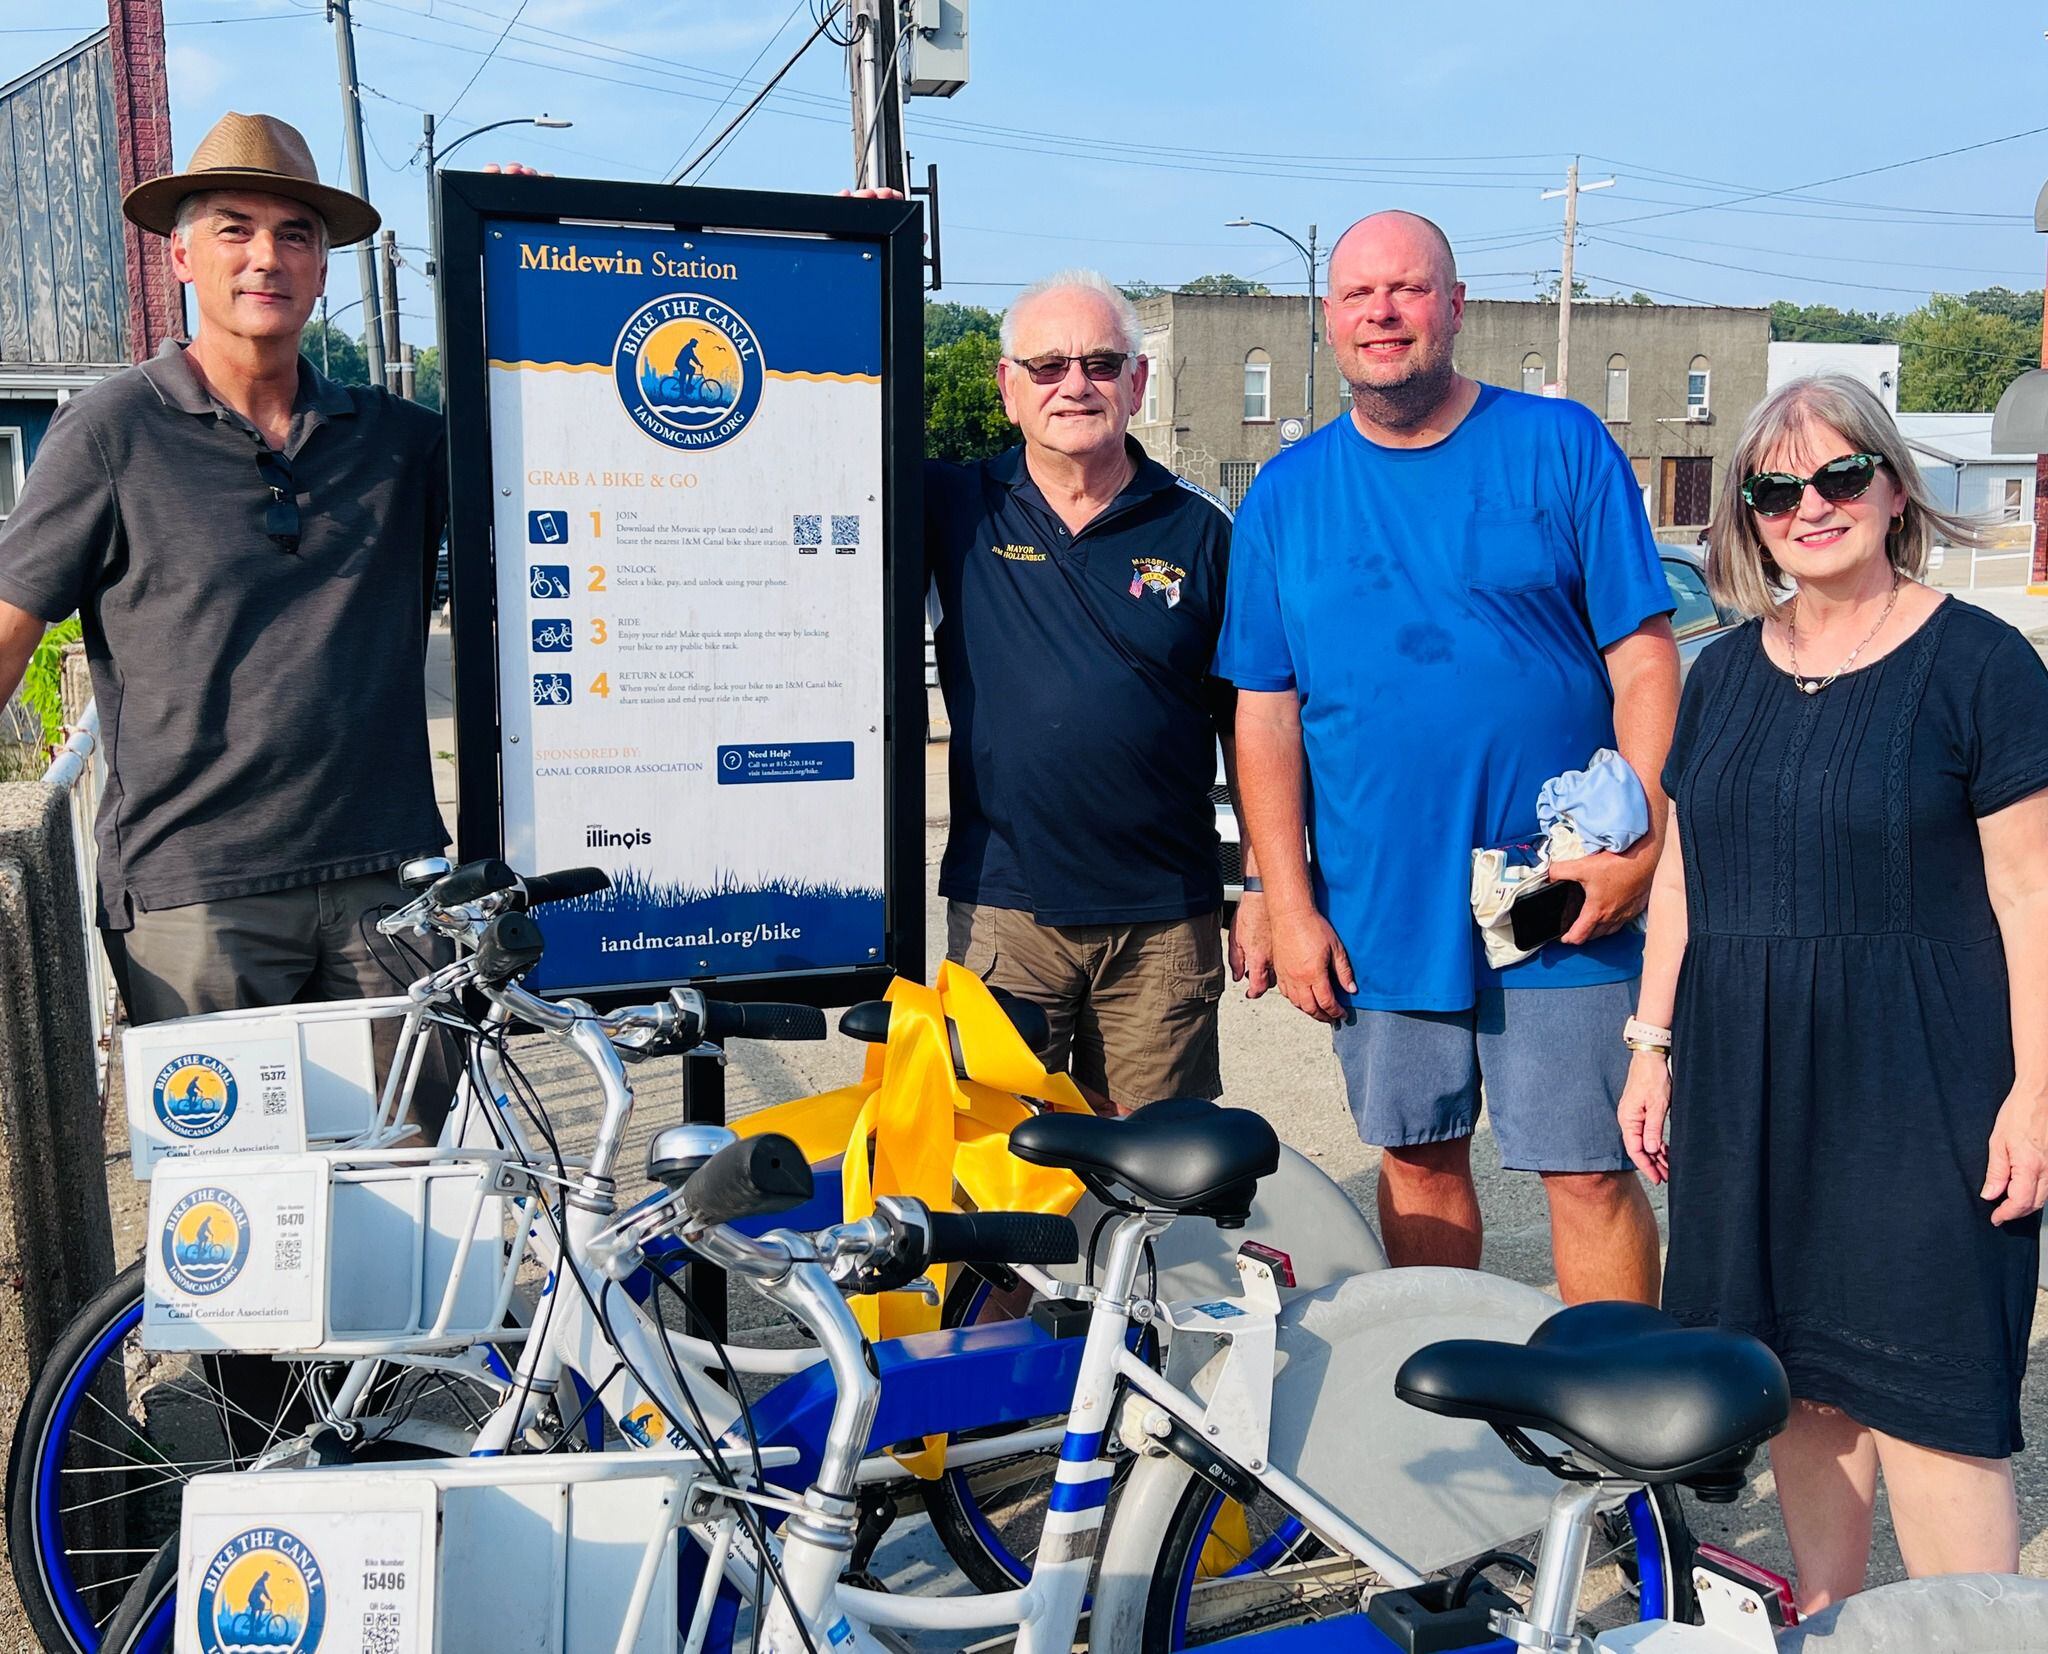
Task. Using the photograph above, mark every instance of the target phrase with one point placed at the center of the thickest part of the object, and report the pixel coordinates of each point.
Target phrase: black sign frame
(467, 200)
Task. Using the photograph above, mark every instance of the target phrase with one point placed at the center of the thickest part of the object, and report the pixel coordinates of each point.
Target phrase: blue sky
(1124, 135)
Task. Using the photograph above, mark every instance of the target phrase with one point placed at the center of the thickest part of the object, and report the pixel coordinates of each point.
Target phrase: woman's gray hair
(1078, 281)
(1740, 572)
(192, 207)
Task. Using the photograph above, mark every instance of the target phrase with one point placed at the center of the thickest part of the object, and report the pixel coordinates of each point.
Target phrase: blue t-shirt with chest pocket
(1440, 613)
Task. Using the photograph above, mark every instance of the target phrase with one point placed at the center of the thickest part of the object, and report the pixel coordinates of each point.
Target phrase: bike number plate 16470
(234, 1254)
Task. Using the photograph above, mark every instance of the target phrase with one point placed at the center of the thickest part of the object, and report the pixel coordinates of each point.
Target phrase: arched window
(1617, 389)
(1258, 386)
(1698, 404)
(1532, 374)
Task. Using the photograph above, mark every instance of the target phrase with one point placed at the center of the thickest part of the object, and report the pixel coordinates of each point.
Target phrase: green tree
(1228, 285)
(963, 410)
(344, 356)
(1136, 290)
(1954, 358)
(1581, 293)
(1824, 324)
(946, 323)
(2003, 301)
(426, 378)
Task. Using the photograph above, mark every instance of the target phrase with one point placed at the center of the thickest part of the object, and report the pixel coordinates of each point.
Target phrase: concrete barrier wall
(56, 1240)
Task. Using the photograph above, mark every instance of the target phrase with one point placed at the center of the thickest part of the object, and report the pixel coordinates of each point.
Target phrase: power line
(1752, 270)
(732, 126)
(481, 67)
(750, 68)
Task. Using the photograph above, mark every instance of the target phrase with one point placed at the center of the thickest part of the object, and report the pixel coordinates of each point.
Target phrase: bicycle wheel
(147, 1618)
(110, 1433)
(1224, 1570)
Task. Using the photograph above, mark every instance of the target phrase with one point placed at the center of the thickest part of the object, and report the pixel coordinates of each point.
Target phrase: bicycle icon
(553, 636)
(547, 579)
(691, 387)
(551, 689)
(248, 1628)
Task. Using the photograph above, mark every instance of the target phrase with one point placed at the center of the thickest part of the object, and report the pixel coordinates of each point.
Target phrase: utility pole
(358, 180)
(408, 383)
(874, 65)
(325, 370)
(391, 382)
(1571, 193)
(1312, 307)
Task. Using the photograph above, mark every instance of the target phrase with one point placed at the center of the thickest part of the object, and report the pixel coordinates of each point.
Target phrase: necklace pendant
(1809, 686)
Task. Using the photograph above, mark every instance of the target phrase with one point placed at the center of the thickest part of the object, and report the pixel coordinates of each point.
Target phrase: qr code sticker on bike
(381, 1631)
(291, 1252)
(845, 532)
(808, 528)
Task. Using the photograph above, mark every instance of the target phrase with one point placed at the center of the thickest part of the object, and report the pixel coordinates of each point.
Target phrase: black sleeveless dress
(1843, 1030)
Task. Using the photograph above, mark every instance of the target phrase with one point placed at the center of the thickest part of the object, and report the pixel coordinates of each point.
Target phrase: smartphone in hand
(1547, 914)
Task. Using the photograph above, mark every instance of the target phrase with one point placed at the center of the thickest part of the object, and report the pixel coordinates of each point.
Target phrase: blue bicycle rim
(161, 1630)
(49, 1477)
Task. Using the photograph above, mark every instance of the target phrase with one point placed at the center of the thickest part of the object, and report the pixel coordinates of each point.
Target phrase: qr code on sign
(809, 528)
(845, 531)
(291, 1252)
(380, 1631)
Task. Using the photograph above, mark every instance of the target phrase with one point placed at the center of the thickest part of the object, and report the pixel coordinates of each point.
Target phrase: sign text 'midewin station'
(572, 260)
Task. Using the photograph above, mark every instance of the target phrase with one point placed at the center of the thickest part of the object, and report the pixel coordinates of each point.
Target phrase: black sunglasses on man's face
(1100, 365)
(281, 515)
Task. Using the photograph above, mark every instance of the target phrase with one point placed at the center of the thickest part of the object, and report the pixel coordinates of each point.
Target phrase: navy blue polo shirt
(1076, 670)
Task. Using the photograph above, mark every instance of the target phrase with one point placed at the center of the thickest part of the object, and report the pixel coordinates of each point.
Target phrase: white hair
(1078, 281)
(192, 207)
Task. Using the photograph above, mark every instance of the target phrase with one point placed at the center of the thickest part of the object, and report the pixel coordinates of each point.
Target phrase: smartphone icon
(547, 528)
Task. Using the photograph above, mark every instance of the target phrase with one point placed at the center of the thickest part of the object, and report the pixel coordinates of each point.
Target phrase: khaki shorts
(1132, 1007)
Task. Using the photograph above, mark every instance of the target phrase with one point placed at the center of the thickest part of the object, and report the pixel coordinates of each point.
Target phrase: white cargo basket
(379, 1252)
(542, 1555)
(272, 1081)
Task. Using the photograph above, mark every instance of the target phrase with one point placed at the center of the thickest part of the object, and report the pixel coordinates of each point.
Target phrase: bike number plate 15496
(282, 1562)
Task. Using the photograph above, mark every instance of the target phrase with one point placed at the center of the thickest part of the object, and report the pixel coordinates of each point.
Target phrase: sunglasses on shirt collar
(281, 515)
(1100, 365)
(1774, 493)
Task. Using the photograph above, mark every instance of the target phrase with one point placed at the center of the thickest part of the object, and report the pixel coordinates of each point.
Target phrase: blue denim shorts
(1550, 1059)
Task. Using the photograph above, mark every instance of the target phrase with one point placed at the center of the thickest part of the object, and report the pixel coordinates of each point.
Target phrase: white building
(1876, 365)
(1963, 472)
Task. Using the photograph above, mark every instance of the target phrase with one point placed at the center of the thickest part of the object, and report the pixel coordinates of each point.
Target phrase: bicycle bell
(679, 1150)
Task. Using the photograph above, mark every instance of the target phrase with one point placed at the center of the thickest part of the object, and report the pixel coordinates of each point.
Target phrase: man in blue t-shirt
(1436, 605)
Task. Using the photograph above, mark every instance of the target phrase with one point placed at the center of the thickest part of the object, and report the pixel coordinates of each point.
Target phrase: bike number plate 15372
(235, 1087)
(281, 1563)
(234, 1254)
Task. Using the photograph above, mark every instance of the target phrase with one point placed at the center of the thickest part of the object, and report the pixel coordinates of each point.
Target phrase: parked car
(1695, 622)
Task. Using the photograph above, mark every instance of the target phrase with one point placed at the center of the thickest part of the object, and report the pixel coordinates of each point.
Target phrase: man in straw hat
(252, 548)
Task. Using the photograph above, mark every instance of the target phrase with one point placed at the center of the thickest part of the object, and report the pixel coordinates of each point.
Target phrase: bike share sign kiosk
(685, 438)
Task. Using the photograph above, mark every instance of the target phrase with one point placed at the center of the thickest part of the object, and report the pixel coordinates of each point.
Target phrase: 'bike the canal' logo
(263, 1590)
(688, 369)
(206, 1241)
(194, 1095)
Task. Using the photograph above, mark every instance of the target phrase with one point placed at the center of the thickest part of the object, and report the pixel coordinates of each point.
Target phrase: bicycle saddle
(1632, 1390)
(1186, 1156)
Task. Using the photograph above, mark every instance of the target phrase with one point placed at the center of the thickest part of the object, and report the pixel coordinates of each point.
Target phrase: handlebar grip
(472, 880)
(762, 1020)
(511, 946)
(1002, 1237)
(564, 886)
(755, 1177)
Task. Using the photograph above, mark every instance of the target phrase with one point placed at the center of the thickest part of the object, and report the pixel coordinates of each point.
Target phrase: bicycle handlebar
(566, 885)
(755, 1177)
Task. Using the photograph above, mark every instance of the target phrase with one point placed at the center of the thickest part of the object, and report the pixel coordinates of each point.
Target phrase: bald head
(1403, 237)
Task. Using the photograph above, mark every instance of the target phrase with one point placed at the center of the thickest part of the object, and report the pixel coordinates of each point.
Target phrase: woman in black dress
(1850, 955)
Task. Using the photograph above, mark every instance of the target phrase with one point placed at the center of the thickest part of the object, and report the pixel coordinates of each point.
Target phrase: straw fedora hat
(253, 152)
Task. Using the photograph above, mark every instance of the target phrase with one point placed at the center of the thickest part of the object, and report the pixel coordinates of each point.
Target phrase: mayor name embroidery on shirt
(1157, 574)
(1019, 554)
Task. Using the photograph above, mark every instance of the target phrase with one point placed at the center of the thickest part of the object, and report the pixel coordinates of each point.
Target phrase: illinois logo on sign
(194, 1095)
(263, 1590)
(688, 369)
(205, 1241)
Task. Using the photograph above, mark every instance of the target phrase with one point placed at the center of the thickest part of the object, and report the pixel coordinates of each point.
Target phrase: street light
(1308, 253)
(435, 159)
(325, 322)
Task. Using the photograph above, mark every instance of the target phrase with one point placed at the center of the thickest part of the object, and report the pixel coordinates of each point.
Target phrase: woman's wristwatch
(1639, 1035)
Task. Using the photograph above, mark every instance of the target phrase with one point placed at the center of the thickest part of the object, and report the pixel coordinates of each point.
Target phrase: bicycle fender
(1434, 1490)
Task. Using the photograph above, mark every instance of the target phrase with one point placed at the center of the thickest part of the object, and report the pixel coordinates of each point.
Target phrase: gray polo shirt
(263, 709)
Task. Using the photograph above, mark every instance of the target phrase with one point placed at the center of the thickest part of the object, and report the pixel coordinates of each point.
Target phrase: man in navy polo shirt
(1079, 588)
(1436, 605)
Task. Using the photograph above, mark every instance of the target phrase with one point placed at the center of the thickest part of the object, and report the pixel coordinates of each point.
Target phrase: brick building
(1673, 383)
